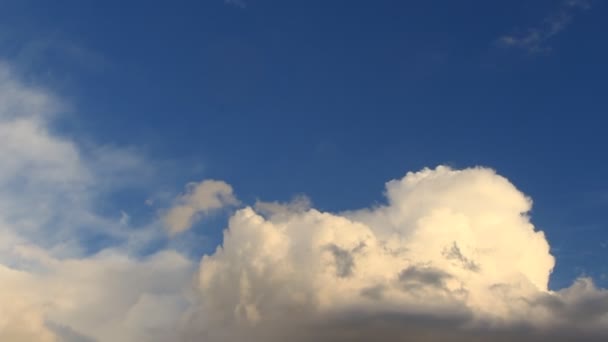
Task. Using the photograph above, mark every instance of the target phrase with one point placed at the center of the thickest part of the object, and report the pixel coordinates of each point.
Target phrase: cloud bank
(452, 255)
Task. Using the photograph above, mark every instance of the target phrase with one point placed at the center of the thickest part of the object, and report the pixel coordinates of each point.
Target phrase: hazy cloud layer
(452, 255)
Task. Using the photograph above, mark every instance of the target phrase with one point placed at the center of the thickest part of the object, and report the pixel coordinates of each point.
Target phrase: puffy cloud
(20, 317)
(105, 297)
(200, 199)
(111, 297)
(451, 255)
(51, 289)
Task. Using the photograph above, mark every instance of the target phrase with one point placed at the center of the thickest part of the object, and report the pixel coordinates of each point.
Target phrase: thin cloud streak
(536, 39)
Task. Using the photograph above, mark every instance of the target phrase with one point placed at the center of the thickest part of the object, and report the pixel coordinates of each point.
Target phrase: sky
(304, 170)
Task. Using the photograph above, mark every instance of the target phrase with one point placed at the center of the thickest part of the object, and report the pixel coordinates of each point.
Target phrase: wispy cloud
(536, 39)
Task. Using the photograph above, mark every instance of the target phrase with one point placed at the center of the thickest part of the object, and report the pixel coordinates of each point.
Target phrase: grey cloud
(393, 327)
(375, 292)
(344, 261)
(414, 276)
(580, 304)
(298, 204)
(66, 334)
(454, 253)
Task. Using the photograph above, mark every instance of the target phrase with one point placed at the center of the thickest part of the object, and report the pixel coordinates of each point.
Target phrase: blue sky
(329, 99)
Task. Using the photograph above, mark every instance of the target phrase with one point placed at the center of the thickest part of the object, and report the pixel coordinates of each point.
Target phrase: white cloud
(124, 218)
(451, 255)
(50, 183)
(50, 288)
(454, 249)
(536, 39)
(200, 199)
(106, 297)
(20, 319)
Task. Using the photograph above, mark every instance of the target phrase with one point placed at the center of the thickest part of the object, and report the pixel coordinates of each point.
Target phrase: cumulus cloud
(105, 297)
(451, 255)
(19, 318)
(535, 39)
(200, 199)
(51, 288)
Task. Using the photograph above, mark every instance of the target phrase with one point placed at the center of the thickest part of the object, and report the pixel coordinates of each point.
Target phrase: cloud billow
(451, 256)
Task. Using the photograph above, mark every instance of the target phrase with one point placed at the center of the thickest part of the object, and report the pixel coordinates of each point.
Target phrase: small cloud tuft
(200, 199)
